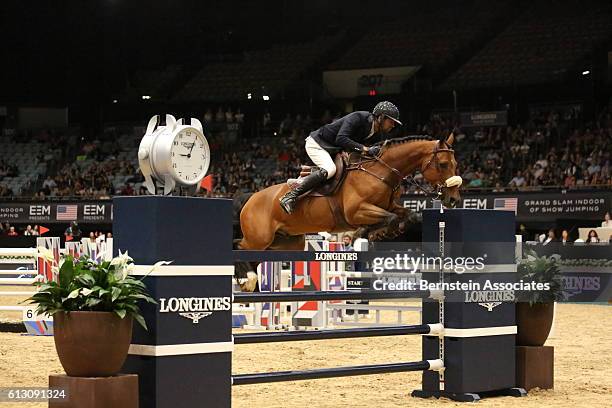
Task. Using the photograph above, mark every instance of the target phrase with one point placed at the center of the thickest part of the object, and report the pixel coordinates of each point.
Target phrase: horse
(366, 198)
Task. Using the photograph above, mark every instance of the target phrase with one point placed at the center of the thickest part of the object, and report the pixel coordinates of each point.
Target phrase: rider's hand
(374, 151)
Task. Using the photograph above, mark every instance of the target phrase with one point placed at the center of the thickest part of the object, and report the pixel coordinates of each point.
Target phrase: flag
(506, 204)
(67, 212)
(208, 182)
(42, 230)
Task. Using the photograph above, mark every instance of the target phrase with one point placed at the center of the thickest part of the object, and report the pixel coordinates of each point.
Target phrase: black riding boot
(289, 200)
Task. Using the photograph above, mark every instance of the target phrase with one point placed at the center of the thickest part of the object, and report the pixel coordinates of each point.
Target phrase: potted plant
(93, 306)
(535, 309)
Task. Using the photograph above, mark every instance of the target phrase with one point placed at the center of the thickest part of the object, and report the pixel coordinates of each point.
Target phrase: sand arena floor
(583, 368)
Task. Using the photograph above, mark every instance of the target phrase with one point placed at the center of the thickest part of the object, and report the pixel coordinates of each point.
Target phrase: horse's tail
(239, 200)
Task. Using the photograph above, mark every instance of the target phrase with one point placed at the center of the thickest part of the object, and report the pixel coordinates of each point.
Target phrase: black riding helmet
(388, 109)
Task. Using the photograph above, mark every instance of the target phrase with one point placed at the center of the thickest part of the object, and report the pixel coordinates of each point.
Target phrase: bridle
(434, 191)
(394, 178)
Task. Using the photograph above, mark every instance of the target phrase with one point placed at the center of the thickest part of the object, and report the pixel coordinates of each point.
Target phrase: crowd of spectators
(552, 149)
(547, 151)
(9, 230)
(6, 170)
(92, 181)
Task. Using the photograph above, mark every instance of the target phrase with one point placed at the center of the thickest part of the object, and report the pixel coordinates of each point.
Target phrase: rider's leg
(325, 169)
(320, 157)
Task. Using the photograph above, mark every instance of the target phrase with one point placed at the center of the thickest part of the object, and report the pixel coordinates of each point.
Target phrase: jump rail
(329, 295)
(271, 337)
(260, 378)
(16, 281)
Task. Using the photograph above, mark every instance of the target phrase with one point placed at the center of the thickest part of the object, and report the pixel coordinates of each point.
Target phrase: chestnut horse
(365, 199)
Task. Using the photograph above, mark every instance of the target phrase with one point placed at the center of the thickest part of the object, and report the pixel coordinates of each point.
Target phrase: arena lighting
(249, 96)
(144, 97)
(115, 101)
(266, 98)
(587, 72)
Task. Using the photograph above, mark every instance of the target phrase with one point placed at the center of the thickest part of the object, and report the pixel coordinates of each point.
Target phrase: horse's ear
(451, 138)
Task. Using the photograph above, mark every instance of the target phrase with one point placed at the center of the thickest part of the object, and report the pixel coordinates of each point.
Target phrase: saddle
(342, 161)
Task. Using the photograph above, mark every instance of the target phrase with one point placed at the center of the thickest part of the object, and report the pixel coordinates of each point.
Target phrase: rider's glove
(374, 151)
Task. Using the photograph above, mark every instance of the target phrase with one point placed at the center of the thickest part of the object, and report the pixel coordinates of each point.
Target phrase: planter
(91, 344)
(534, 323)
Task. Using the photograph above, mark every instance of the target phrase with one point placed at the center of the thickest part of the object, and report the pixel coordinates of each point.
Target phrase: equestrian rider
(345, 134)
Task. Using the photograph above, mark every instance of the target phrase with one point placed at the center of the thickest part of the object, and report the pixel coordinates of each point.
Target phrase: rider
(347, 133)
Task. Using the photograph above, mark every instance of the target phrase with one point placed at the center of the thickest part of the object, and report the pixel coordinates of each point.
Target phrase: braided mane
(405, 139)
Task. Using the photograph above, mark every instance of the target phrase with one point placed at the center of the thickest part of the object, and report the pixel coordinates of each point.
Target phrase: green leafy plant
(541, 269)
(84, 285)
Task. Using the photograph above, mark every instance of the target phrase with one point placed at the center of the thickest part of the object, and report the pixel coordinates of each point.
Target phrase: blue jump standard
(184, 360)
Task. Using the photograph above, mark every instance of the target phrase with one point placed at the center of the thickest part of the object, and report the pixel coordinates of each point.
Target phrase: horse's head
(439, 169)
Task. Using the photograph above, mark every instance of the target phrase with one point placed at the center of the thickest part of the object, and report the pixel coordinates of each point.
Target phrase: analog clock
(173, 153)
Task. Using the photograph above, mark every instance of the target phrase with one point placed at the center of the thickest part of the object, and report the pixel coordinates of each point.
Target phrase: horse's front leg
(373, 217)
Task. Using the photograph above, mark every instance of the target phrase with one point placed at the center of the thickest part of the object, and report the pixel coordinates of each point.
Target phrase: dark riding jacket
(348, 133)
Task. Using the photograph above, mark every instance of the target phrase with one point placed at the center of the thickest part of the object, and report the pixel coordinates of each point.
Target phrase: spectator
(239, 116)
(220, 116)
(347, 242)
(73, 232)
(592, 237)
(606, 222)
(550, 238)
(518, 180)
(28, 231)
(12, 232)
(208, 116)
(565, 238)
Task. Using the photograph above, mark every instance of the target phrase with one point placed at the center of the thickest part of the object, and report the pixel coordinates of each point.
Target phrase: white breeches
(320, 157)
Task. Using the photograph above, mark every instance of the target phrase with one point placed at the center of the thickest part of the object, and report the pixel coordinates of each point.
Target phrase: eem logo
(478, 203)
(195, 308)
(415, 205)
(94, 212)
(40, 212)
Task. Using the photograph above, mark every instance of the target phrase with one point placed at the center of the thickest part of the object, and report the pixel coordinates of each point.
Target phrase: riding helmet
(388, 109)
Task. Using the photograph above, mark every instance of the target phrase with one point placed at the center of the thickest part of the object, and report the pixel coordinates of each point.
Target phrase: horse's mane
(405, 139)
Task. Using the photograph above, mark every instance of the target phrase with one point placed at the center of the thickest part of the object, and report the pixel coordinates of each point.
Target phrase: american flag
(67, 212)
(506, 204)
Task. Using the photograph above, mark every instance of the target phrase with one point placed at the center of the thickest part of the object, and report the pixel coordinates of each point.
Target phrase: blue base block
(239, 321)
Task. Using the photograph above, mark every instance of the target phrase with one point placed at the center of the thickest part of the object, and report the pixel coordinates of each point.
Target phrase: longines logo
(336, 256)
(489, 299)
(196, 316)
(490, 305)
(195, 308)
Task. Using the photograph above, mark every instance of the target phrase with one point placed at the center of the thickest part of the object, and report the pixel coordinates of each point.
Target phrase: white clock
(173, 153)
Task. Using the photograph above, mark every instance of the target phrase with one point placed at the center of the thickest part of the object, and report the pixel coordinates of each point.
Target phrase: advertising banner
(530, 206)
(37, 212)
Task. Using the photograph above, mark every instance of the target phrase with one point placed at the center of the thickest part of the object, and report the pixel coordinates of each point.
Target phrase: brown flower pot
(534, 323)
(91, 344)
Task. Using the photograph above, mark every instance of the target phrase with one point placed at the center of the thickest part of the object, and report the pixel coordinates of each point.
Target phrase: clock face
(189, 156)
